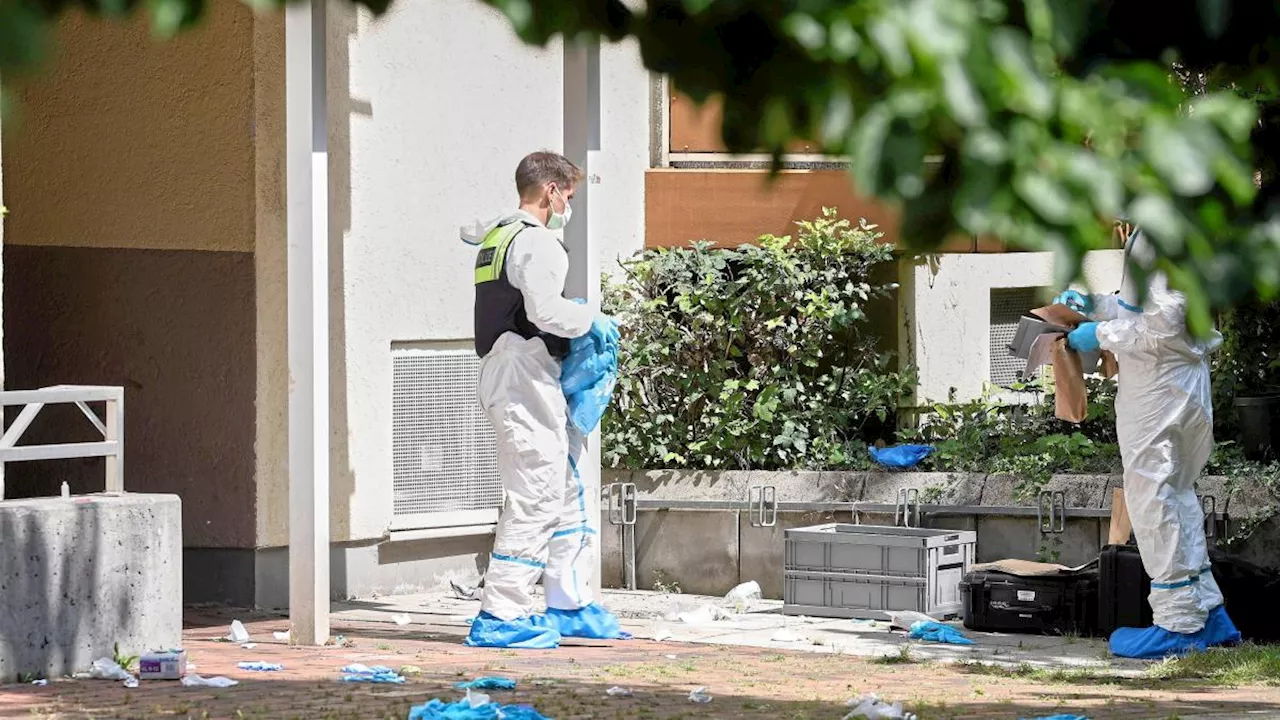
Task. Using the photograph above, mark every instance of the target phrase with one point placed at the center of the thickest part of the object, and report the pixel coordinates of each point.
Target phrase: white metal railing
(33, 401)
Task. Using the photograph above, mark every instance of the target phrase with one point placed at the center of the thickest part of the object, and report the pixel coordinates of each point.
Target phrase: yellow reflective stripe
(493, 251)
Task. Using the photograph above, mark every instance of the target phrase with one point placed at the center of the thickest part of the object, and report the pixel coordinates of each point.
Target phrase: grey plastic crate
(867, 571)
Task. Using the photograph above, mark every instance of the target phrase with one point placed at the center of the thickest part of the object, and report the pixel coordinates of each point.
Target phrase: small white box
(167, 665)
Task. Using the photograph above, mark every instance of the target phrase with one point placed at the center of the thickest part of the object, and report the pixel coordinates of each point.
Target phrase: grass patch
(904, 657)
(1047, 676)
(1244, 665)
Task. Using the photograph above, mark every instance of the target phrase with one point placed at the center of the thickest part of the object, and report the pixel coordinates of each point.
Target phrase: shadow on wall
(49, 582)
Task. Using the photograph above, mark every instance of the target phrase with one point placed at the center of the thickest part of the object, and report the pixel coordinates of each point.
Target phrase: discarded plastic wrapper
(281, 636)
(742, 595)
(239, 634)
(660, 634)
(788, 636)
(704, 614)
(378, 674)
(212, 682)
(131, 683)
(41, 682)
(904, 619)
(168, 665)
(619, 692)
(700, 696)
(108, 669)
(464, 592)
(259, 666)
(873, 708)
(465, 709)
(401, 620)
(671, 657)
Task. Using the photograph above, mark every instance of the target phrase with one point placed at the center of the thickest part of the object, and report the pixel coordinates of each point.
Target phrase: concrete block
(1083, 491)
(998, 490)
(884, 487)
(696, 550)
(79, 575)
(762, 551)
(843, 486)
(1002, 538)
(955, 489)
(692, 485)
(793, 486)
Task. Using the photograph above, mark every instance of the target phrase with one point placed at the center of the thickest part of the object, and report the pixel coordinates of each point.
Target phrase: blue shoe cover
(1156, 643)
(592, 622)
(490, 632)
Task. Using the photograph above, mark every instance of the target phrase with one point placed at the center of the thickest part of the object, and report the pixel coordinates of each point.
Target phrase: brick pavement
(571, 683)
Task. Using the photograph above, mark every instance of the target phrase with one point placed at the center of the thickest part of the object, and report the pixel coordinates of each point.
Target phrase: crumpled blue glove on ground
(937, 632)
(378, 674)
(462, 710)
(488, 683)
(589, 373)
(260, 666)
(900, 456)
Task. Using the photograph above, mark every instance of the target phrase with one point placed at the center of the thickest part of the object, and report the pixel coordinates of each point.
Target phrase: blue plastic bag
(937, 632)
(900, 456)
(589, 373)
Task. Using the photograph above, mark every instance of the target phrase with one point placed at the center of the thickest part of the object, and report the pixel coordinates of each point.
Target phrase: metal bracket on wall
(1209, 504)
(763, 502)
(1051, 512)
(907, 512)
(623, 508)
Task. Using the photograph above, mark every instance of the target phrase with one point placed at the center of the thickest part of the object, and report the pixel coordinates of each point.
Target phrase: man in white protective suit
(1164, 423)
(523, 325)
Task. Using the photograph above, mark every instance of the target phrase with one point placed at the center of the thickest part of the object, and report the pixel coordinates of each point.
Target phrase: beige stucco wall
(127, 142)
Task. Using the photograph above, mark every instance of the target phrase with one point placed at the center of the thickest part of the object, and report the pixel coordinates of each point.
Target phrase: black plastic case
(1123, 587)
(996, 601)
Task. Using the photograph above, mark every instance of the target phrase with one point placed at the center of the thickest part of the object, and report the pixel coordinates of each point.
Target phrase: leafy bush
(1248, 363)
(755, 357)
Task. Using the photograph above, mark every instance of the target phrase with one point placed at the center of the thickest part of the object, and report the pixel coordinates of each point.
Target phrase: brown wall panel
(696, 129)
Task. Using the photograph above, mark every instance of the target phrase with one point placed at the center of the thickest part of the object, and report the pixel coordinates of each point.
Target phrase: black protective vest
(499, 305)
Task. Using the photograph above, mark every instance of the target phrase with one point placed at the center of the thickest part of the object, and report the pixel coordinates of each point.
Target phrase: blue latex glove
(1084, 338)
(1075, 300)
(900, 456)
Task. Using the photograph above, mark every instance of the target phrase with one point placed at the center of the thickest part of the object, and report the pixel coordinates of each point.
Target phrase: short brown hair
(538, 169)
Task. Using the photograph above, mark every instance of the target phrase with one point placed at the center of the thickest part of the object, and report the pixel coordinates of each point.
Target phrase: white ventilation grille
(444, 461)
(1008, 305)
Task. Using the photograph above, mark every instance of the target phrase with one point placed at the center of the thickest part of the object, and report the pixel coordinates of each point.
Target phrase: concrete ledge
(79, 575)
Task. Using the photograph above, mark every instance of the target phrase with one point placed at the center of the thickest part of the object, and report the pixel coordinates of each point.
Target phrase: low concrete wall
(711, 551)
(79, 575)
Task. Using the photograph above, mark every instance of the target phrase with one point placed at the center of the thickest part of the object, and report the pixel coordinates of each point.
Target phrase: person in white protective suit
(1164, 423)
(523, 324)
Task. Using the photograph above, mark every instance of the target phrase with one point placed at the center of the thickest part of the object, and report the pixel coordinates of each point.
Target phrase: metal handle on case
(763, 503)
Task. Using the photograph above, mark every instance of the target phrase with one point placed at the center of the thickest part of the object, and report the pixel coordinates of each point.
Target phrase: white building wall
(946, 311)
(444, 102)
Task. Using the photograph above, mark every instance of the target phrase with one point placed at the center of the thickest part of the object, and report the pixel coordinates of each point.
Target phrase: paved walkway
(755, 679)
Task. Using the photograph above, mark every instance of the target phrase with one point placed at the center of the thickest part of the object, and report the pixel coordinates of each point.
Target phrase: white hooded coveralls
(1164, 423)
(544, 530)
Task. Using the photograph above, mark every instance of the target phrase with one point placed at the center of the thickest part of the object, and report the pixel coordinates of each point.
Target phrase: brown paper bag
(1071, 401)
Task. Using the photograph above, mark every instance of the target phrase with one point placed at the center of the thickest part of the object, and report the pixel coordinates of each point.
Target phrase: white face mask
(557, 221)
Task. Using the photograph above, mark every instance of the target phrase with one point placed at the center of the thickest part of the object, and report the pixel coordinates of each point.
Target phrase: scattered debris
(616, 691)
(239, 634)
(671, 657)
(488, 683)
(41, 683)
(108, 669)
(259, 666)
(700, 696)
(378, 674)
(904, 619)
(131, 683)
(409, 670)
(871, 707)
(705, 614)
(281, 636)
(934, 631)
(1060, 717)
(475, 699)
(660, 634)
(210, 682)
(466, 709)
(401, 619)
(248, 646)
(787, 636)
(742, 596)
(465, 592)
(168, 665)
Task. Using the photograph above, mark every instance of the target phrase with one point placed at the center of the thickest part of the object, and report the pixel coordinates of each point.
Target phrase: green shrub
(1248, 363)
(753, 358)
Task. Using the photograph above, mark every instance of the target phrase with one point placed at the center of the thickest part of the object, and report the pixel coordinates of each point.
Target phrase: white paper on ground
(238, 633)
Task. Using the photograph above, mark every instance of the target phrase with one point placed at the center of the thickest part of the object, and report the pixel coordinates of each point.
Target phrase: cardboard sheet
(1028, 568)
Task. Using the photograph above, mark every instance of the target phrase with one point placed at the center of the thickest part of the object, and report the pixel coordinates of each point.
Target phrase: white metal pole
(581, 144)
(307, 143)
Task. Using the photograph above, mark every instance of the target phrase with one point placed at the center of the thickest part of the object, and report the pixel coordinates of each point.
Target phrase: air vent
(445, 468)
(1008, 305)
